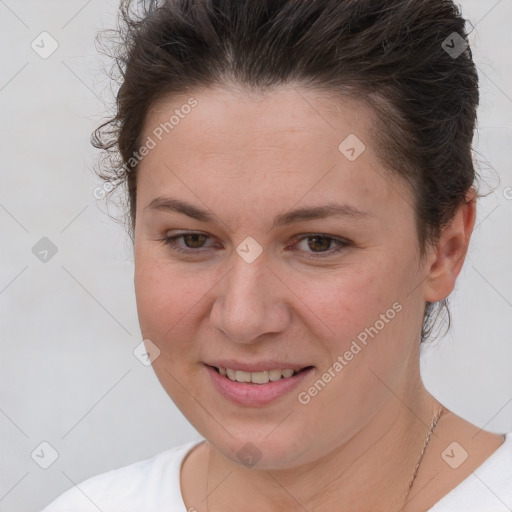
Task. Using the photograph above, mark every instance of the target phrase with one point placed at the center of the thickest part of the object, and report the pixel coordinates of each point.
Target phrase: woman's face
(256, 284)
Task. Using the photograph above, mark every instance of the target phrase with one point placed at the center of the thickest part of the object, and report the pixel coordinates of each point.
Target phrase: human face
(247, 160)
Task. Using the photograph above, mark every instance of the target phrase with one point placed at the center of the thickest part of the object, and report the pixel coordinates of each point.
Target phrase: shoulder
(488, 487)
(151, 485)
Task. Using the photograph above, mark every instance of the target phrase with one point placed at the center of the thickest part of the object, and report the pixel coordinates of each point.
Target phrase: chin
(261, 451)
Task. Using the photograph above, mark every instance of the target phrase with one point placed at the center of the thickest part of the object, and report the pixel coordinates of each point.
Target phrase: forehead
(240, 120)
(281, 145)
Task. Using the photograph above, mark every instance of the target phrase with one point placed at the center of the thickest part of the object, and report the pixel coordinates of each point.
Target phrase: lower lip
(245, 393)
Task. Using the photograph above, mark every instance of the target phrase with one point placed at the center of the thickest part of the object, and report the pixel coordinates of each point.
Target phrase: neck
(370, 470)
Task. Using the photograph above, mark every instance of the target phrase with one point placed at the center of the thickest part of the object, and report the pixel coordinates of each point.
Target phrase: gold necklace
(431, 430)
(427, 440)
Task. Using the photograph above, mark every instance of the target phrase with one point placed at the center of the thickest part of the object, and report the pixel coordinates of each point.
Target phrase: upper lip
(260, 366)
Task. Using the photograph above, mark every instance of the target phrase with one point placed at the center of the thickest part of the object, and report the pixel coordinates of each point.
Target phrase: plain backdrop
(69, 326)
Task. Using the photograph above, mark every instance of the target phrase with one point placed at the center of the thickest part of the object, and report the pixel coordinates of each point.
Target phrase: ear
(448, 257)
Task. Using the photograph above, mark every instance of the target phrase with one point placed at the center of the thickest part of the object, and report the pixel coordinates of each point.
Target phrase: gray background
(68, 326)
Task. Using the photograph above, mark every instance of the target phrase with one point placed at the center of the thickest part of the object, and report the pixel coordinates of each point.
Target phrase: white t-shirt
(153, 485)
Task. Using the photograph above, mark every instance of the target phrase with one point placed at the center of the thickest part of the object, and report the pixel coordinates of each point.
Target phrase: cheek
(165, 298)
(351, 303)
(364, 317)
(347, 299)
(168, 305)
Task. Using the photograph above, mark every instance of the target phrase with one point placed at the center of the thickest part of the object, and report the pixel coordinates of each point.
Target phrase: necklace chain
(436, 418)
(409, 487)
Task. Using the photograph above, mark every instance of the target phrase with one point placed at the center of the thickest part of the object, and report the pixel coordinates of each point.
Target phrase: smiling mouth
(263, 377)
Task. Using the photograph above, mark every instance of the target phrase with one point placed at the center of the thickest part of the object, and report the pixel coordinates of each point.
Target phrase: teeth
(287, 373)
(243, 376)
(274, 374)
(256, 377)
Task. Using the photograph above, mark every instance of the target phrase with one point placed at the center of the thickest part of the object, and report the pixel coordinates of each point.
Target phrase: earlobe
(450, 251)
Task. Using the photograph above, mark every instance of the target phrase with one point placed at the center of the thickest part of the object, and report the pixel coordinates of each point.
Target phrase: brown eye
(320, 245)
(194, 240)
(193, 243)
(317, 246)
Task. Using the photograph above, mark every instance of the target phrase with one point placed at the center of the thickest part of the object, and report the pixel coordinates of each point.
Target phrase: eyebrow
(169, 204)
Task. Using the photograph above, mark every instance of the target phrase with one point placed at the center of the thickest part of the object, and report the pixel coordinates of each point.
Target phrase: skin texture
(247, 158)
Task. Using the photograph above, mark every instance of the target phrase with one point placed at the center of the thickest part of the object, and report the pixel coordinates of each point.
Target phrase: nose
(250, 301)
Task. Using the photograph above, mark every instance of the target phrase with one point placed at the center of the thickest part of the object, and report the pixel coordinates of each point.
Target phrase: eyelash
(171, 242)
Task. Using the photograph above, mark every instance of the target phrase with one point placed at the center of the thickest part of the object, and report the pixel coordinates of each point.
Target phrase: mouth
(261, 377)
(257, 389)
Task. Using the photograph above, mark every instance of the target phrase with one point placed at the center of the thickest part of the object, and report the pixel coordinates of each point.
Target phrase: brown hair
(408, 59)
